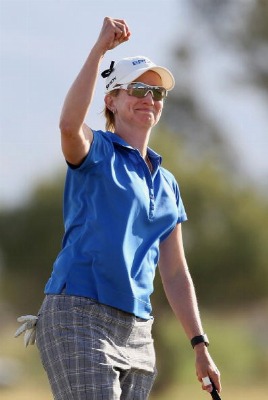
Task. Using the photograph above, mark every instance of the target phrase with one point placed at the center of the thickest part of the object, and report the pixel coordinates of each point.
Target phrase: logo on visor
(110, 83)
(139, 61)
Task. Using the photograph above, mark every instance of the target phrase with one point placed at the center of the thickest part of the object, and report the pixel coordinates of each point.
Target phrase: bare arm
(76, 136)
(181, 295)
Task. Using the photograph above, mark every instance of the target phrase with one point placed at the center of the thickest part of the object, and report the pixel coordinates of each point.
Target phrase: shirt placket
(149, 182)
(150, 185)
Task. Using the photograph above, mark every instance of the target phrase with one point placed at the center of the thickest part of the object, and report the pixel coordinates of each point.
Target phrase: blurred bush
(30, 237)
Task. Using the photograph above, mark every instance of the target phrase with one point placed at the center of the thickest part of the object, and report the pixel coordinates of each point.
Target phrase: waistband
(65, 302)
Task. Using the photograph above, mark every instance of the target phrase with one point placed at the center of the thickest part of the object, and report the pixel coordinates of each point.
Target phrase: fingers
(121, 28)
(20, 330)
(214, 376)
(28, 328)
(207, 371)
(206, 381)
(121, 31)
(29, 337)
(26, 318)
(115, 31)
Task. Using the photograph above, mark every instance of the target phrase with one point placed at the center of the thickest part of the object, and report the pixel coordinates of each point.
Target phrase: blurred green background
(225, 237)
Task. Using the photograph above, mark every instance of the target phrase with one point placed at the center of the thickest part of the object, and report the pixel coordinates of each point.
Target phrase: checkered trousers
(91, 351)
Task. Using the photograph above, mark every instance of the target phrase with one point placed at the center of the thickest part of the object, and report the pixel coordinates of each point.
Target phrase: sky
(43, 44)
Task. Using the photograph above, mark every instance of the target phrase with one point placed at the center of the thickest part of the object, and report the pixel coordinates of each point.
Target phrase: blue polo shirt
(115, 213)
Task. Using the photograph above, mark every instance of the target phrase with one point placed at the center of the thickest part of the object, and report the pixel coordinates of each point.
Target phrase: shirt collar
(151, 153)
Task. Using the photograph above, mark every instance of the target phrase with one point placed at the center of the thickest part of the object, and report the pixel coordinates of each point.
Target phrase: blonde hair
(109, 115)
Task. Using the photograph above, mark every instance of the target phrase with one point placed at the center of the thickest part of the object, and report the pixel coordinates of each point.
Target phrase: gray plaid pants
(91, 351)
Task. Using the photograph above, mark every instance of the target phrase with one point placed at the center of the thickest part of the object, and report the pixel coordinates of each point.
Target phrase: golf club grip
(214, 394)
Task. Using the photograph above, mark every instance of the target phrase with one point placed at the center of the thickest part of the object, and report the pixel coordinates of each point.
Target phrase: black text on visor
(138, 89)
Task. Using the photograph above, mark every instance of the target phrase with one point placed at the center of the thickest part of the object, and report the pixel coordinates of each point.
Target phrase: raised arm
(181, 295)
(76, 136)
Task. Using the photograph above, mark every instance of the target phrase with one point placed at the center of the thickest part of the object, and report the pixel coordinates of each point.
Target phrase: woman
(123, 215)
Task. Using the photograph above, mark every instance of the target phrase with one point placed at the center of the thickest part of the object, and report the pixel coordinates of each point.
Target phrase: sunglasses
(140, 90)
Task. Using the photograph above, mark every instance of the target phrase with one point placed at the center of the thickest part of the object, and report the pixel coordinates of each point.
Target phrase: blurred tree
(217, 194)
(30, 238)
(242, 27)
(255, 44)
(232, 34)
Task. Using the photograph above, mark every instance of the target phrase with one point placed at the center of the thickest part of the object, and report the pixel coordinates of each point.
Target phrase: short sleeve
(100, 148)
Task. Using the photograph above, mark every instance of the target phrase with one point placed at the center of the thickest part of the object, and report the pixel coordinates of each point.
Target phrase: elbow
(64, 124)
(67, 127)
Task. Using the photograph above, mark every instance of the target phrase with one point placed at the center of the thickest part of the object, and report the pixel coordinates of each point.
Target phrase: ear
(109, 102)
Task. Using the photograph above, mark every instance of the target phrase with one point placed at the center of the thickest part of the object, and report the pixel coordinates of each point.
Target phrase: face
(142, 113)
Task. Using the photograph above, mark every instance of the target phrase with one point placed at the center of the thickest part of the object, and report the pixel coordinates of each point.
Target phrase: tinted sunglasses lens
(159, 93)
(139, 91)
